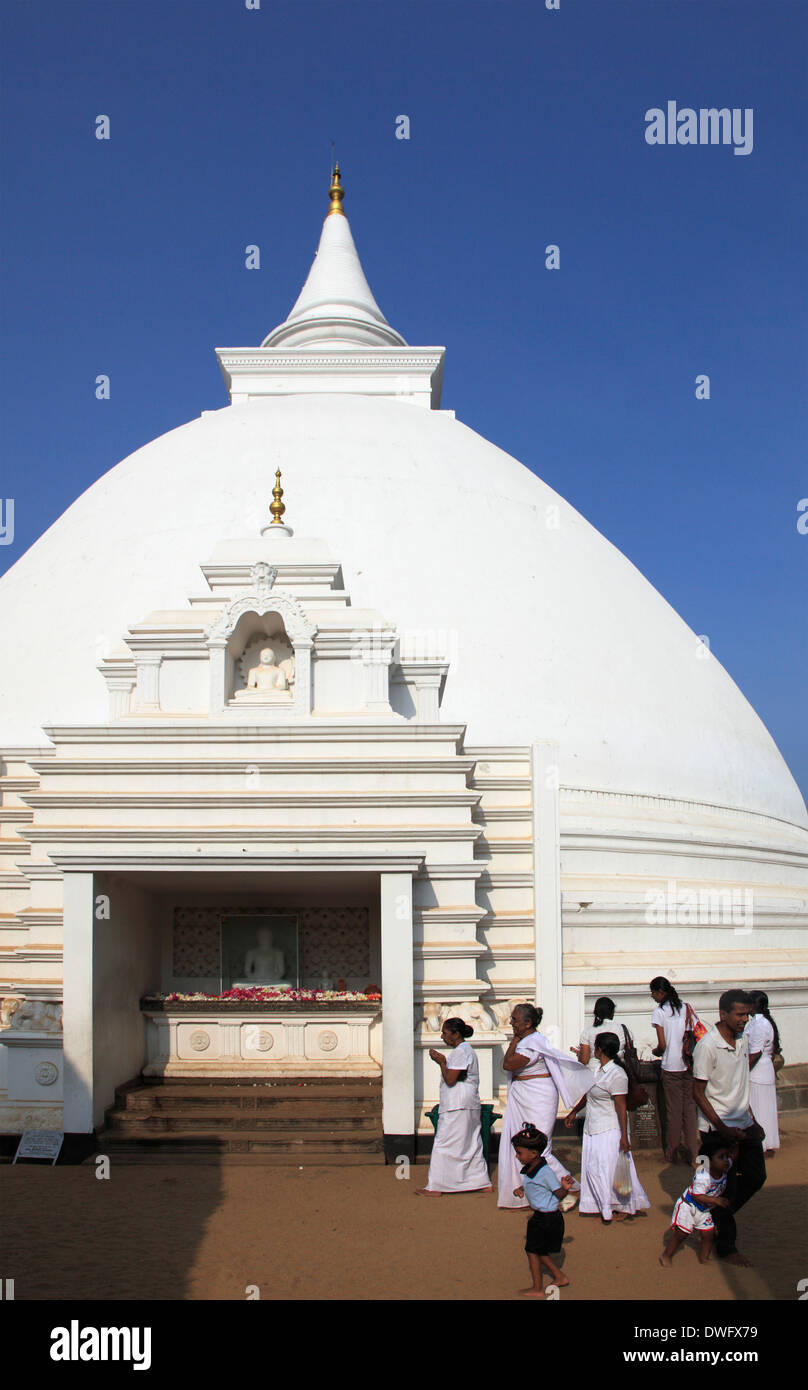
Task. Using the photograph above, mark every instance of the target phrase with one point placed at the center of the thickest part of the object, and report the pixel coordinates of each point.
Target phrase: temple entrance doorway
(236, 1017)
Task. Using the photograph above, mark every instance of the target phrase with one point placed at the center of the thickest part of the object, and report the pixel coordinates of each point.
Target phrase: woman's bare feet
(619, 1216)
(427, 1192)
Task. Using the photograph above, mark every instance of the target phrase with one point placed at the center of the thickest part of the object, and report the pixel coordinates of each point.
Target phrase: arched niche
(263, 617)
(252, 635)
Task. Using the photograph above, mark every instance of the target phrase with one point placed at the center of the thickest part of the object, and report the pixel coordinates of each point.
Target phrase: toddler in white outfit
(693, 1210)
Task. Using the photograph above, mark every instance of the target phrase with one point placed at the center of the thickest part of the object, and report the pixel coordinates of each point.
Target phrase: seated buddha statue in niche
(266, 675)
(270, 677)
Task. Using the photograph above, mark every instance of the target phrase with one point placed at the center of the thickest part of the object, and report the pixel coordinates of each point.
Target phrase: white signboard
(40, 1143)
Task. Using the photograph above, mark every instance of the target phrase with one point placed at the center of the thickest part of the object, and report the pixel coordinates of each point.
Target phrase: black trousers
(545, 1233)
(746, 1176)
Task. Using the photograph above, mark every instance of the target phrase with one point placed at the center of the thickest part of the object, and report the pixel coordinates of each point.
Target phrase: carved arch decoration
(261, 600)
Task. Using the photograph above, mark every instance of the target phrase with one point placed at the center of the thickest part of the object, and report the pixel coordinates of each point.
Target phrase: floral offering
(260, 993)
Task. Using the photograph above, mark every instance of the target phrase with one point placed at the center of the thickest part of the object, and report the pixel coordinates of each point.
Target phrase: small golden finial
(336, 193)
(277, 507)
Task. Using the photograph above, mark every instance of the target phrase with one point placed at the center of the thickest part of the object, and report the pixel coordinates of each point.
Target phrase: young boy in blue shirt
(545, 1228)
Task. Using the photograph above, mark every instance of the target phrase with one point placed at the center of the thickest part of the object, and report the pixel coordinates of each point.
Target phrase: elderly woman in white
(457, 1163)
(605, 1138)
(537, 1076)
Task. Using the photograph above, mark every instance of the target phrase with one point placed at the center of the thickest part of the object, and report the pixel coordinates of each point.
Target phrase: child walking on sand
(544, 1191)
(693, 1210)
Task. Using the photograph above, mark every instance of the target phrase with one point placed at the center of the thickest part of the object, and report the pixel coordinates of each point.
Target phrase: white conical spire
(336, 340)
(335, 308)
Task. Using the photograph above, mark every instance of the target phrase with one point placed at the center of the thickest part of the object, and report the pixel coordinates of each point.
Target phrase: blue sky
(126, 257)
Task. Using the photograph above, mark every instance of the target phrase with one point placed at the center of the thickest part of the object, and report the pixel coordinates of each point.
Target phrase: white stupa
(451, 605)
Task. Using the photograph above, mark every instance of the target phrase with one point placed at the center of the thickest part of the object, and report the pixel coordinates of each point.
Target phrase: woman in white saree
(457, 1163)
(537, 1076)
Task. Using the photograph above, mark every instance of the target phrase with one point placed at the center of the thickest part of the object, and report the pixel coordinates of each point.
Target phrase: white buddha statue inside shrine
(266, 675)
(265, 963)
(270, 678)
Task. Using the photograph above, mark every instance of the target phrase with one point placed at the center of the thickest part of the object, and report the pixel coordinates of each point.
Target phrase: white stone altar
(221, 1039)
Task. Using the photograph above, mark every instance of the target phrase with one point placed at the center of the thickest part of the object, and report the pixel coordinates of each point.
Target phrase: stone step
(248, 1093)
(792, 1097)
(792, 1087)
(129, 1122)
(285, 1103)
(310, 1144)
(226, 1083)
(328, 1121)
(283, 1110)
(796, 1074)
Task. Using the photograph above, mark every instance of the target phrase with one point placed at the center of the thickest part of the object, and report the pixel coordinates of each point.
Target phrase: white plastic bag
(621, 1182)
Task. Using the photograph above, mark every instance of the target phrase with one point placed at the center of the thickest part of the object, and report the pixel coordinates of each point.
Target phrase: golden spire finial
(336, 193)
(277, 507)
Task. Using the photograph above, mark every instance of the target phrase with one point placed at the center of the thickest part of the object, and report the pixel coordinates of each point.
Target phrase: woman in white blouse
(603, 1021)
(670, 1021)
(764, 1042)
(457, 1163)
(606, 1136)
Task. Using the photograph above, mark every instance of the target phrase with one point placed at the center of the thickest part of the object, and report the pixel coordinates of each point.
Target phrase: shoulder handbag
(637, 1094)
(694, 1032)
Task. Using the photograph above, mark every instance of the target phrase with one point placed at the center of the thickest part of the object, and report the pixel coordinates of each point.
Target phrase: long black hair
(604, 1010)
(671, 997)
(761, 1006)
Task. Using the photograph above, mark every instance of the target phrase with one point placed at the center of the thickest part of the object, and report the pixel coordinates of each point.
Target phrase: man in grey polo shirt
(721, 1089)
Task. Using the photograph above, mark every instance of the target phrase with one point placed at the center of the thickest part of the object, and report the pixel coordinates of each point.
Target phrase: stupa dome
(551, 632)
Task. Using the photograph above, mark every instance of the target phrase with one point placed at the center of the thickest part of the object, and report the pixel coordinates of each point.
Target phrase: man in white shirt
(721, 1088)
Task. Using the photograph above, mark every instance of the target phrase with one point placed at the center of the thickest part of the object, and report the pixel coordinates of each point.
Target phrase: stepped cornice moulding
(410, 374)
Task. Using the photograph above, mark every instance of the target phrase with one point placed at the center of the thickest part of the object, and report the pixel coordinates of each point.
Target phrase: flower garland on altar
(258, 994)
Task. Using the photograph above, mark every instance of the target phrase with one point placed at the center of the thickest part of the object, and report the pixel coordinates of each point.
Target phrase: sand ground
(208, 1232)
